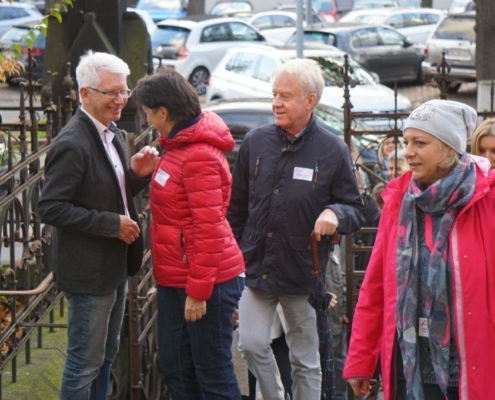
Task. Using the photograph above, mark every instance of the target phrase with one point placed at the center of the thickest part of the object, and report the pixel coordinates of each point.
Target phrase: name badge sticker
(161, 177)
(303, 174)
(423, 328)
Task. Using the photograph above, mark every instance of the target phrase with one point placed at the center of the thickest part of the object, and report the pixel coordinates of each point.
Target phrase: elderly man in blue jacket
(290, 178)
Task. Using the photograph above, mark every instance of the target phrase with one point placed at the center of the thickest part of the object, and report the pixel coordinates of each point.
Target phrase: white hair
(308, 73)
(87, 71)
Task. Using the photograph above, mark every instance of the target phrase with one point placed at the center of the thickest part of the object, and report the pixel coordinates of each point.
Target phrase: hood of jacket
(209, 129)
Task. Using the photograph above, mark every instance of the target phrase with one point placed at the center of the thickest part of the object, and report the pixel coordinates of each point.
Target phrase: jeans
(256, 312)
(195, 357)
(93, 342)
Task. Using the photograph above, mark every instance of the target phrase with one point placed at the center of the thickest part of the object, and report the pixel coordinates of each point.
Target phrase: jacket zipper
(182, 244)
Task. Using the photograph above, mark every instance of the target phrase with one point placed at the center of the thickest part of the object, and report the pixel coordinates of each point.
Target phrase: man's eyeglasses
(112, 94)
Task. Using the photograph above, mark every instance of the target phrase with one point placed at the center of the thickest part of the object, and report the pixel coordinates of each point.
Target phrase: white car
(279, 25)
(248, 71)
(414, 23)
(15, 14)
(194, 47)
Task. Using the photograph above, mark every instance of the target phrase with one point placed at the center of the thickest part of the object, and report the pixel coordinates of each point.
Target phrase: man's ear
(311, 101)
(84, 94)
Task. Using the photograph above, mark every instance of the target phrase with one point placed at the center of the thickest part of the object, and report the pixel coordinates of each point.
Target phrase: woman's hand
(361, 387)
(194, 309)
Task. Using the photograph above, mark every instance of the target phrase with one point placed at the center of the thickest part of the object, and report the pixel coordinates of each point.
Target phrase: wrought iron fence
(27, 291)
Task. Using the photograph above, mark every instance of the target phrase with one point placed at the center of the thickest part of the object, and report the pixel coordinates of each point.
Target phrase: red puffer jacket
(192, 243)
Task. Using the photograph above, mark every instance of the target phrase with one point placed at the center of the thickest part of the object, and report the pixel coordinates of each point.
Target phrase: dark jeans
(432, 392)
(196, 357)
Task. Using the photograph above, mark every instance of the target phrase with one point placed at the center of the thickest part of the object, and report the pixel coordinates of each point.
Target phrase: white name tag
(161, 177)
(303, 174)
(423, 328)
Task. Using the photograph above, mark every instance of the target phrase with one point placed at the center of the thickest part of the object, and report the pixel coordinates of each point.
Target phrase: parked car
(160, 10)
(17, 35)
(378, 48)
(279, 24)
(39, 4)
(326, 16)
(459, 6)
(243, 114)
(248, 71)
(455, 36)
(17, 13)
(414, 23)
(365, 4)
(229, 8)
(145, 16)
(193, 47)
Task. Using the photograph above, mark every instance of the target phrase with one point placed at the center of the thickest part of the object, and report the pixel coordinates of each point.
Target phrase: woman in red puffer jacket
(198, 267)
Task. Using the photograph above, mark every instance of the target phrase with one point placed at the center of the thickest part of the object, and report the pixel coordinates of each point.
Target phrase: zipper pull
(257, 166)
(315, 173)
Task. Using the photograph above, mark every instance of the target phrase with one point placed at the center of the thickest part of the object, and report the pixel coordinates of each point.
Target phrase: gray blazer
(82, 200)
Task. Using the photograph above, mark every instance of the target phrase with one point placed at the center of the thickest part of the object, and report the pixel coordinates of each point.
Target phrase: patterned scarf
(446, 197)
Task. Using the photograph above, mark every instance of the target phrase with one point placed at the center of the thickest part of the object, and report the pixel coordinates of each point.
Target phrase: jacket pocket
(249, 245)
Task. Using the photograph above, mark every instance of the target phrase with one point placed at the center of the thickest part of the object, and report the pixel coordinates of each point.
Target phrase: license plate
(457, 53)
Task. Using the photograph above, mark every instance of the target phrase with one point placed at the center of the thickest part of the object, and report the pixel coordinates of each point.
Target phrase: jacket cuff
(199, 289)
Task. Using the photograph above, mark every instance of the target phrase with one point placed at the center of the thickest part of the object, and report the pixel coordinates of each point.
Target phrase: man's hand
(195, 309)
(333, 301)
(128, 230)
(326, 224)
(144, 162)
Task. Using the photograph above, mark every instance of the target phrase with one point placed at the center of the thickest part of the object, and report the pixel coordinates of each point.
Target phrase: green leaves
(10, 55)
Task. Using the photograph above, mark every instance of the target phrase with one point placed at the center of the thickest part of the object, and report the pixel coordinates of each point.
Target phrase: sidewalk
(42, 378)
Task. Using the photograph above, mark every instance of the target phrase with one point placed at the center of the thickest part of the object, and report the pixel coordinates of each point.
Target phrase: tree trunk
(196, 7)
(485, 32)
(485, 56)
(427, 3)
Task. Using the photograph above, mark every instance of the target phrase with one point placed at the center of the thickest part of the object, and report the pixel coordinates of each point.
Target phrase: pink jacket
(472, 251)
(192, 244)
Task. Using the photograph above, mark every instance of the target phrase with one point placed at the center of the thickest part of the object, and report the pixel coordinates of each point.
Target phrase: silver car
(455, 36)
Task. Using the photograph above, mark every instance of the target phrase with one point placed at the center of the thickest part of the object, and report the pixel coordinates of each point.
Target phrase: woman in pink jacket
(427, 303)
(197, 264)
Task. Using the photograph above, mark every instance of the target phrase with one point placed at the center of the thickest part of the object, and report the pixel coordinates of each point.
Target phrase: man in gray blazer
(88, 198)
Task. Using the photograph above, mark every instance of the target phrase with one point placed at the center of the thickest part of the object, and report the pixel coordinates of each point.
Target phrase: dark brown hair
(171, 90)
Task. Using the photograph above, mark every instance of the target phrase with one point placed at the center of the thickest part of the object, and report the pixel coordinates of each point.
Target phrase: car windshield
(458, 6)
(314, 37)
(174, 5)
(18, 35)
(332, 66)
(228, 7)
(173, 36)
(456, 29)
(371, 19)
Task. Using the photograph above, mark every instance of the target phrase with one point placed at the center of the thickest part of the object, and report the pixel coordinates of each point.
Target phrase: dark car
(242, 115)
(17, 35)
(379, 48)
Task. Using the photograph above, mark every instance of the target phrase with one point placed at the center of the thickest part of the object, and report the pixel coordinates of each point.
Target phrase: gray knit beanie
(449, 121)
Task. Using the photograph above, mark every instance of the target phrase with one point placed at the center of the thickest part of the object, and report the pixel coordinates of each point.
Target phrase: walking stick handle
(314, 250)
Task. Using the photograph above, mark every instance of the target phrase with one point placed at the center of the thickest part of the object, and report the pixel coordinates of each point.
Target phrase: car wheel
(199, 79)
(420, 77)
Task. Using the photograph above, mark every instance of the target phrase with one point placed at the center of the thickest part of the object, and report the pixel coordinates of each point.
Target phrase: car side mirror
(407, 43)
(261, 38)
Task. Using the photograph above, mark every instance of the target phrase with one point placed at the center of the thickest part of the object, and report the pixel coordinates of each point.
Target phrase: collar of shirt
(102, 129)
(293, 138)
